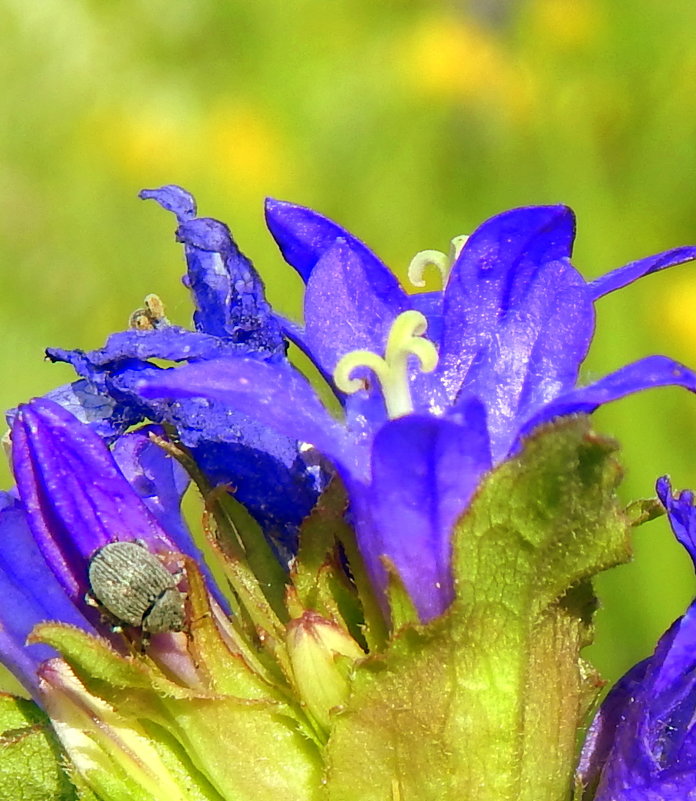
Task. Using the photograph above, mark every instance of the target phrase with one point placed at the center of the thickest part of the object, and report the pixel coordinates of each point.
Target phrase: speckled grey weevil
(133, 585)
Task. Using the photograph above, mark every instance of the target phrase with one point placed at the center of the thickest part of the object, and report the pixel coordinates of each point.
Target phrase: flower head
(435, 652)
(642, 743)
(436, 388)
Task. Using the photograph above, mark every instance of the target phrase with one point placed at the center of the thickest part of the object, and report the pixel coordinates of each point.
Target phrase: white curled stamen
(435, 258)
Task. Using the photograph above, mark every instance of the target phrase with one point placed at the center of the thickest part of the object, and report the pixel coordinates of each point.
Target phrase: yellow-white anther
(405, 339)
(435, 258)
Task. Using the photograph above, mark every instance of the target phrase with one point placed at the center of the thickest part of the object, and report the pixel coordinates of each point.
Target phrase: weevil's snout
(167, 613)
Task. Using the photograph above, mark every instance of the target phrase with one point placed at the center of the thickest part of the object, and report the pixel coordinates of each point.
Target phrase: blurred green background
(409, 122)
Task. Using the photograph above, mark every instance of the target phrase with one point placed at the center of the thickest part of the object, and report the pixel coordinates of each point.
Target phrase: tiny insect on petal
(135, 587)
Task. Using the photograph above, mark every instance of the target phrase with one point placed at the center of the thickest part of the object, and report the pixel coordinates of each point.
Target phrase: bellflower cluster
(393, 600)
(498, 352)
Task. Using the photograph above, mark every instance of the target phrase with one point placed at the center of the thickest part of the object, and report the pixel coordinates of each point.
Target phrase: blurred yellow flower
(677, 310)
(142, 141)
(567, 23)
(448, 56)
(232, 143)
(451, 57)
(242, 145)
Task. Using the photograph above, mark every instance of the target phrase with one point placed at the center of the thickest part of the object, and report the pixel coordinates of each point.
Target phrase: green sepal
(115, 753)
(255, 750)
(199, 728)
(229, 667)
(317, 546)
(401, 607)
(256, 627)
(318, 580)
(233, 521)
(31, 760)
(84, 793)
(644, 510)
(95, 662)
(484, 703)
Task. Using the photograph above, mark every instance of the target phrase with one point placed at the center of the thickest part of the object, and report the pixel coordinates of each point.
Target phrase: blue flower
(642, 743)
(30, 593)
(277, 481)
(425, 419)
(72, 497)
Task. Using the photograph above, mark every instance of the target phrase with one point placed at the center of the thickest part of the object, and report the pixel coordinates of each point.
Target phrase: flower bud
(322, 655)
(115, 755)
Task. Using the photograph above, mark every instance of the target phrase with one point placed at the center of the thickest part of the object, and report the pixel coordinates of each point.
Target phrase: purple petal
(75, 497)
(297, 335)
(682, 514)
(227, 290)
(349, 305)
(653, 754)
(303, 237)
(424, 472)
(652, 371)
(277, 481)
(365, 410)
(602, 732)
(427, 390)
(536, 351)
(351, 299)
(30, 593)
(672, 680)
(172, 198)
(272, 477)
(622, 276)
(642, 743)
(22, 564)
(273, 394)
(158, 479)
(171, 343)
(104, 415)
(491, 277)
(429, 304)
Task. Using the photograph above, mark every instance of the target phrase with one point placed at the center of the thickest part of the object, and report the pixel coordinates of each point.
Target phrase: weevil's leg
(105, 617)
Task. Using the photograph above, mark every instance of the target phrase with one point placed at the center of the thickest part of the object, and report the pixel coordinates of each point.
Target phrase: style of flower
(426, 418)
(277, 481)
(642, 743)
